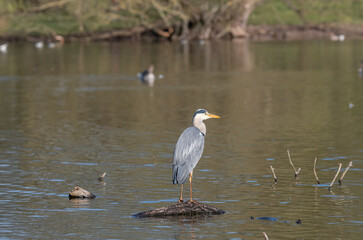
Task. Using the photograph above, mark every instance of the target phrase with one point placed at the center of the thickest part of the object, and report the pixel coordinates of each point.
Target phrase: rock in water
(79, 192)
(182, 209)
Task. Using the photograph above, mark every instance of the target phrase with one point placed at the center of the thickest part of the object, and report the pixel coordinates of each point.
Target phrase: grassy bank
(20, 19)
(277, 12)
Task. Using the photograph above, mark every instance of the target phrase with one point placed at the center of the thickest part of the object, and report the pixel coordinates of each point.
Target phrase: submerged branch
(316, 175)
(273, 172)
(336, 175)
(296, 172)
(100, 178)
(350, 164)
(264, 234)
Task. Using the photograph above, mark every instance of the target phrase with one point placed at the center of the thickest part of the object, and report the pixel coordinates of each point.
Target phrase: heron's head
(202, 114)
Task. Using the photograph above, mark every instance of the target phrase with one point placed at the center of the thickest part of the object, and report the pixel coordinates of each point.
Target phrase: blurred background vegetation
(179, 19)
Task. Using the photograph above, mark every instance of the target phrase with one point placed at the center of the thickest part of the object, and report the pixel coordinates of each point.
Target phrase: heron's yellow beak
(212, 115)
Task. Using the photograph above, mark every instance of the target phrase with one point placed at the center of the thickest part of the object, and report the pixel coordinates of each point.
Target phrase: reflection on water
(70, 113)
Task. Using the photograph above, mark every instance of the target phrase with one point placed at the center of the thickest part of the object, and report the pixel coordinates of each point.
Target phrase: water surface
(70, 113)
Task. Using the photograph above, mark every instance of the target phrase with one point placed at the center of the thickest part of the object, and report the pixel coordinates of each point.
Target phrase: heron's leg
(190, 181)
(181, 194)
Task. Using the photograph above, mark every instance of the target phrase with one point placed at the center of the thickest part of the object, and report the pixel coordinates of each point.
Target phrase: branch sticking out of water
(350, 164)
(100, 178)
(316, 175)
(296, 172)
(266, 237)
(273, 172)
(336, 175)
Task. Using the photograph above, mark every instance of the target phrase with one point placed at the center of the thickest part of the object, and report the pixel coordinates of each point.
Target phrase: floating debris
(79, 192)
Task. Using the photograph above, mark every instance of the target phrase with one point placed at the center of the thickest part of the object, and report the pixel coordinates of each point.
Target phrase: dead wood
(316, 175)
(100, 178)
(273, 172)
(266, 237)
(79, 192)
(182, 209)
(335, 177)
(345, 171)
(296, 171)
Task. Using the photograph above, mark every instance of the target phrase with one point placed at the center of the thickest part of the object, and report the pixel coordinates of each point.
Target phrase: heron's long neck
(198, 123)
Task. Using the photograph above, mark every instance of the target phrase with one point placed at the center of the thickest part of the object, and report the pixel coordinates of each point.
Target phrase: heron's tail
(180, 175)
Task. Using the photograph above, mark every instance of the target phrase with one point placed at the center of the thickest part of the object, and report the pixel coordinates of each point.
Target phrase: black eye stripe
(200, 111)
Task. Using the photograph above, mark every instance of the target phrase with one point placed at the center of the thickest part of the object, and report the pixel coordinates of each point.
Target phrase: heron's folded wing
(189, 148)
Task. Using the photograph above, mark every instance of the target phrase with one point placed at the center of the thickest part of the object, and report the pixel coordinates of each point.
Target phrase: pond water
(70, 113)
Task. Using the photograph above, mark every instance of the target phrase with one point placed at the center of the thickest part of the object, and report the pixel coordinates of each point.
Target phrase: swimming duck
(39, 44)
(147, 76)
(4, 47)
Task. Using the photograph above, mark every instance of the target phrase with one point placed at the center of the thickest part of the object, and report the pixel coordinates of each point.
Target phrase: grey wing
(188, 150)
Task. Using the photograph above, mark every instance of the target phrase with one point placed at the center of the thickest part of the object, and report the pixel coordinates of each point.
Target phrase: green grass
(43, 24)
(275, 12)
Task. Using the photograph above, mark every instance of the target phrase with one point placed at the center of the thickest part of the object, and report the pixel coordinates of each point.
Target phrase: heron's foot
(192, 201)
(180, 200)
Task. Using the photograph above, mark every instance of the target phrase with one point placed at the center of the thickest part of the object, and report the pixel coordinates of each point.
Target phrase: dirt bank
(258, 33)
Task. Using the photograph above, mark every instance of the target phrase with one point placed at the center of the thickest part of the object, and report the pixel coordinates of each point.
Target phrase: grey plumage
(188, 151)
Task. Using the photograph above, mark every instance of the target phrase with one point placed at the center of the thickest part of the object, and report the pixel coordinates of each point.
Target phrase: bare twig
(350, 164)
(158, 8)
(336, 175)
(102, 176)
(296, 172)
(273, 172)
(316, 175)
(266, 237)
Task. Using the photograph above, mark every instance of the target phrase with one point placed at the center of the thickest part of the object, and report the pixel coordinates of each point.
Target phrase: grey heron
(147, 76)
(189, 149)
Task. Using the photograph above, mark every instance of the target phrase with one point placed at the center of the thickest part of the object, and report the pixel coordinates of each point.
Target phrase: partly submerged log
(182, 209)
(79, 192)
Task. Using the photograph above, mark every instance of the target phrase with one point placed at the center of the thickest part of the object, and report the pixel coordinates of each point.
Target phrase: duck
(147, 76)
(4, 47)
(39, 44)
(335, 37)
(51, 45)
